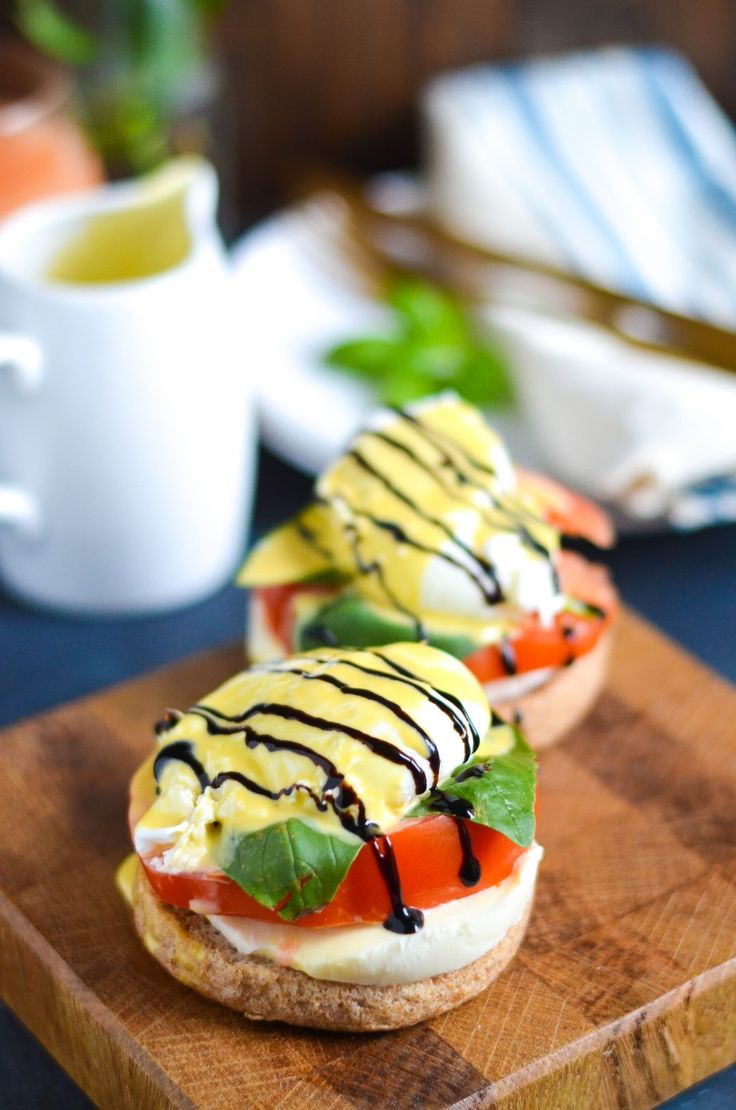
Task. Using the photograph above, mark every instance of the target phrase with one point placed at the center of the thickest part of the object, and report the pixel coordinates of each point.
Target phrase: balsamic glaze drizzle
(480, 487)
(167, 722)
(451, 706)
(403, 918)
(487, 581)
(433, 754)
(375, 744)
(508, 656)
(436, 438)
(402, 536)
(376, 568)
(441, 802)
(569, 635)
(309, 536)
(479, 569)
(468, 732)
(183, 752)
(470, 869)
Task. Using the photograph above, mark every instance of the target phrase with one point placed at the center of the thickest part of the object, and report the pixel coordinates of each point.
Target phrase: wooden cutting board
(623, 993)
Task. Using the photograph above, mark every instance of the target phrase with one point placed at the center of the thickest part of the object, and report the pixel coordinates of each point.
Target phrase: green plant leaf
(436, 346)
(483, 379)
(53, 33)
(500, 791)
(290, 867)
(368, 357)
(402, 386)
(427, 310)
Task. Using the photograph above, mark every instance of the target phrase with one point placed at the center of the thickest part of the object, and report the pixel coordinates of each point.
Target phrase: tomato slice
(278, 606)
(534, 646)
(570, 512)
(428, 854)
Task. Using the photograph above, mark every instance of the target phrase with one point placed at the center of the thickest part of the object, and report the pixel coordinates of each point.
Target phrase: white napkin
(618, 165)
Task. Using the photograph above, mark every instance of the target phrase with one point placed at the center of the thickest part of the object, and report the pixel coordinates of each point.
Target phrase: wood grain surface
(623, 993)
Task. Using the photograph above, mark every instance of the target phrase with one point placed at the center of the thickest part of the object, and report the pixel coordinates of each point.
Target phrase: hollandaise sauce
(345, 740)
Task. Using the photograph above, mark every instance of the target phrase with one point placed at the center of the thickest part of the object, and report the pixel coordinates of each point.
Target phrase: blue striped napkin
(617, 165)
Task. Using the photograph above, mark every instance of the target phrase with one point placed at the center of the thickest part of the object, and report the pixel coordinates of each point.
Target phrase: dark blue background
(686, 584)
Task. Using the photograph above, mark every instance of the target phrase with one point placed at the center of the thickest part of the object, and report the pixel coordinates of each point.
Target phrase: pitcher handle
(21, 364)
(21, 360)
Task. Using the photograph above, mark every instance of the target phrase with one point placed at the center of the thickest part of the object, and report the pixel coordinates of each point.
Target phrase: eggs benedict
(341, 839)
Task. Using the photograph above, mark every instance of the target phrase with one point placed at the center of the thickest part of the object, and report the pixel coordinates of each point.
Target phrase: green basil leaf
(435, 345)
(290, 867)
(501, 797)
(49, 30)
(369, 357)
(483, 378)
(427, 310)
(401, 387)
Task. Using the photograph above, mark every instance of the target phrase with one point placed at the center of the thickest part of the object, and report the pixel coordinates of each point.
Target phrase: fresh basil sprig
(290, 867)
(436, 346)
(500, 791)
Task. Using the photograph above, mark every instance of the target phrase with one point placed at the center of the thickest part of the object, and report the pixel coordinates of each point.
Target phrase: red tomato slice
(572, 513)
(428, 855)
(278, 605)
(534, 646)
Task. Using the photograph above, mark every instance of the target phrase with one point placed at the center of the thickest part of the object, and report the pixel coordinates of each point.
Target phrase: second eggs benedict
(424, 530)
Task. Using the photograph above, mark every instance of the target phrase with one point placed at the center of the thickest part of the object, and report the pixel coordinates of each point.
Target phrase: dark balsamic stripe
(379, 747)
(470, 735)
(493, 593)
(310, 538)
(475, 772)
(167, 722)
(273, 795)
(376, 568)
(440, 802)
(402, 536)
(461, 722)
(180, 751)
(470, 868)
(507, 652)
(433, 754)
(433, 435)
(403, 918)
(520, 510)
(336, 792)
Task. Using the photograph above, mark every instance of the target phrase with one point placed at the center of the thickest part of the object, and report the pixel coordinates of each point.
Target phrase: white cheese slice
(453, 935)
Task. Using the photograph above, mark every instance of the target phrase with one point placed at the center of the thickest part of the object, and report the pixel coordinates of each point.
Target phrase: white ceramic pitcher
(126, 436)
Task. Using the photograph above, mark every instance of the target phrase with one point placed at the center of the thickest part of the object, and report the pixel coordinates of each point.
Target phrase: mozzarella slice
(453, 935)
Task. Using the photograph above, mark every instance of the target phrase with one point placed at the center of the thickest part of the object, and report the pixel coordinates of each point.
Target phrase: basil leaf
(500, 790)
(435, 344)
(290, 867)
(427, 310)
(364, 356)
